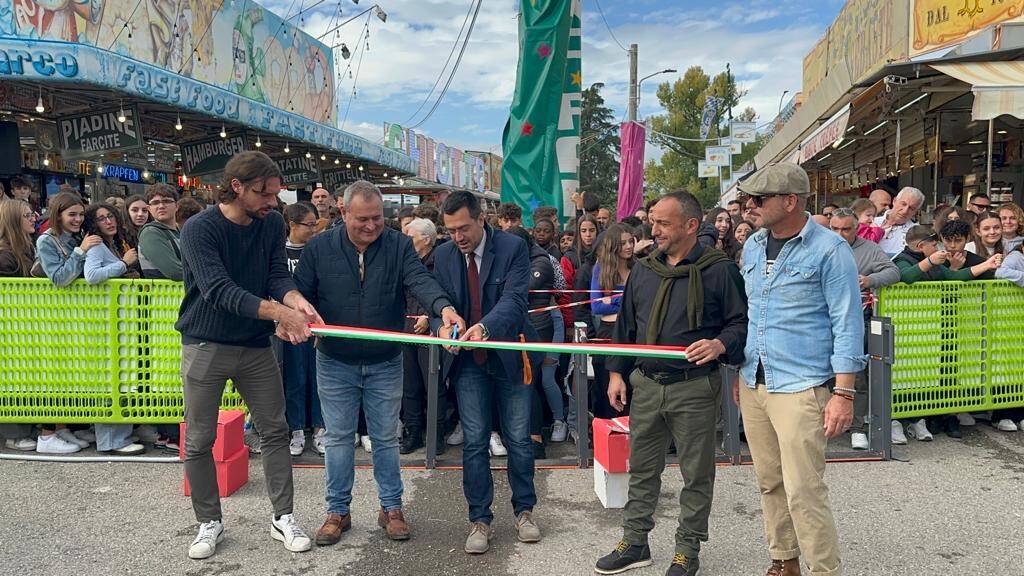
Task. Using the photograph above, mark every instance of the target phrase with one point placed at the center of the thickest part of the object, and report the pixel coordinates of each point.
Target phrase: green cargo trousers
(685, 411)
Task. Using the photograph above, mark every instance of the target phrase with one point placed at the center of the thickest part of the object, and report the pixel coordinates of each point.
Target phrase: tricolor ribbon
(635, 350)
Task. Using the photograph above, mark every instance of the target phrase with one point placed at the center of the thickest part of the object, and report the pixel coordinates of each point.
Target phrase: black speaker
(10, 148)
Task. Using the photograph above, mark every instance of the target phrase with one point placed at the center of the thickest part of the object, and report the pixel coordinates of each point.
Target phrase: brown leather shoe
(394, 523)
(784, 568)
(332, 529)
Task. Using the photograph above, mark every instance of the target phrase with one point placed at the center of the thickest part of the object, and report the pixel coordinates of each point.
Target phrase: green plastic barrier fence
(84, 354)
(959, 346)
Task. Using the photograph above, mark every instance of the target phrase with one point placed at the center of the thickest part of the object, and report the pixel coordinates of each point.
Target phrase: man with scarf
(684, 294)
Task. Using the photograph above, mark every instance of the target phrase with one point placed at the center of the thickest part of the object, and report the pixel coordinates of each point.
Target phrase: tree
(678, 133)
(599, 147)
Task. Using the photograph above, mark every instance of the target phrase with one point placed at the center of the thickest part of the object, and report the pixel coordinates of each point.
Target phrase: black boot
(625, 557)
(412, 440)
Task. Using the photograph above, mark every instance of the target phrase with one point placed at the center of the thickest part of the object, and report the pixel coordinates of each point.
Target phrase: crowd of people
(256, 274)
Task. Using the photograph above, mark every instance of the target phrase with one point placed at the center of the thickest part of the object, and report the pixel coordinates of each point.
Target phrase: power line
(445, 67)
(455, 68)
(610, 33)
(355, 81)
(126, 24)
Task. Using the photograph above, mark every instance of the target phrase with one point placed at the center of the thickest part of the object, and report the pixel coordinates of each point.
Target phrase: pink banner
(631, 170)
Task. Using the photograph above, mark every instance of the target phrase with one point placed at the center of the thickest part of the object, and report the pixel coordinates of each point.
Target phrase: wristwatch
(485, 332)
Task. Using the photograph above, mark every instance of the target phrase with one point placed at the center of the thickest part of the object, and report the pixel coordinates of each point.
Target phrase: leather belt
(675, 377)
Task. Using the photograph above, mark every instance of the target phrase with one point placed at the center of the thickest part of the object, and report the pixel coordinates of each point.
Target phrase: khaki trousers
(786, 436)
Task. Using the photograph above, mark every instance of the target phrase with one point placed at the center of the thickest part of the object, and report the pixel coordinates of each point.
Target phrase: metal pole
(880, 359)
(433, 385)
(937, 159)
(580, 390)
(731, 434)
(634, 96)
(988, 161)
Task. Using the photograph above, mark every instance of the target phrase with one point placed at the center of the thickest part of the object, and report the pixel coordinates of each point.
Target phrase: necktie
(475, 313)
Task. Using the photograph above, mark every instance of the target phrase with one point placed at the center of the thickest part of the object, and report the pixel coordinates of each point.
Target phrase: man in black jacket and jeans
(358, 275)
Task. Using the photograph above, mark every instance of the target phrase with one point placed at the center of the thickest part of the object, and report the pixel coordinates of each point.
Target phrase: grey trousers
(205, 369)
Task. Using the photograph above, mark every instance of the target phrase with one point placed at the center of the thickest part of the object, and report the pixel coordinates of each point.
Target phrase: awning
(998, 86)
(826, 135)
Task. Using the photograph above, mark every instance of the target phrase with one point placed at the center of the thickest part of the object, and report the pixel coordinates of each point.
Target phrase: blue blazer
(504, 287)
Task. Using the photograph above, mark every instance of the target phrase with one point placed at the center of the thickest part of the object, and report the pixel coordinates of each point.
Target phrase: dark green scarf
(669, 274)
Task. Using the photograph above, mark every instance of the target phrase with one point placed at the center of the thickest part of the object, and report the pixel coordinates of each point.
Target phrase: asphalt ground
(954, 507)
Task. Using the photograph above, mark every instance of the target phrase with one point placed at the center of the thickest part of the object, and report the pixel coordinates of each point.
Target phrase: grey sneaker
(479, 539)
(252, 442)
(559, 431)
(526, 529)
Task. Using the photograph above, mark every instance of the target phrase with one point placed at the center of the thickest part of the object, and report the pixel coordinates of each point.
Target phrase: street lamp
(784, 92)
(641, 82)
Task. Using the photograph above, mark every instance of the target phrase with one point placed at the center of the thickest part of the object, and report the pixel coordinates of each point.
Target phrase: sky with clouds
(764, 40)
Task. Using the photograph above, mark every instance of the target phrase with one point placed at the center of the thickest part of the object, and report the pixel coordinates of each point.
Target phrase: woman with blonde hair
(611, 270)
(17, 223)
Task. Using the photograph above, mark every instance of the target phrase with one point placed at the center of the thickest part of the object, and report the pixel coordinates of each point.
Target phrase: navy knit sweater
(228, 270)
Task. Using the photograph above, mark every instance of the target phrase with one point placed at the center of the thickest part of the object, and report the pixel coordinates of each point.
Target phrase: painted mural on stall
(271, 61)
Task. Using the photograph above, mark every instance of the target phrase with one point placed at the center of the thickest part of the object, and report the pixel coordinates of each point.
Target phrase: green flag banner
(542, 136)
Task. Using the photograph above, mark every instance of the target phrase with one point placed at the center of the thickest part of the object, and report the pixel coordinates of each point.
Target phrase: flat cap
(777, 179)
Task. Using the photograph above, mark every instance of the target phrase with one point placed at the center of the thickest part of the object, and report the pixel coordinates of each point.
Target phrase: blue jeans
(302, 404)
(343, 389)
(112, 436)
(475, 386)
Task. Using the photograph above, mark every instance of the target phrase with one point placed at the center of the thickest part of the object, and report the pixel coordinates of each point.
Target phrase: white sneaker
(54, 444)
(559, 431)
(898, 437)
(859, 441)
(287, 530)
(318, 441)
(496, 447)
(210, 534)
(965, 419)
(1006, 425)
(456, 439)
(919, 431)
(130, 449)
(147, 433)
(298, 443)
(68, 436)
(20, 444)
(367, 445)
(89, 437)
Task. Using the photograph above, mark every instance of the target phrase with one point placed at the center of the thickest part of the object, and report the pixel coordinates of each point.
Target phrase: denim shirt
(804, 320)
(101, 265)
(61, 267)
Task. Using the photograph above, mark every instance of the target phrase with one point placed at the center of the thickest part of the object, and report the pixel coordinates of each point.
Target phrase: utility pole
(632, 83)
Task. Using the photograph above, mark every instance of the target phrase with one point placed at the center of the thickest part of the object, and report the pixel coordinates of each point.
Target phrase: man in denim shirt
(805, 327)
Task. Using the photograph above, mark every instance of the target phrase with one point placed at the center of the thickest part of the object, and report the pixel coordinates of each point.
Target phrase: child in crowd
(865, 212)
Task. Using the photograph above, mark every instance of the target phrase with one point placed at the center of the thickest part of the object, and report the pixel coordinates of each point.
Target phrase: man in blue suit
(486, 273)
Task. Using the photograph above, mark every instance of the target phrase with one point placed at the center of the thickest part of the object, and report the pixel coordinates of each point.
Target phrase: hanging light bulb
(286, 148)
(385, 174)
(308, 155)
(223, 132)
(46, 161)
(177, 123)
(360, 168)
(99, 169)
(323, 156)
(348, 165)
(336, 161)
(145, 174)
(259, 143)
(39, 103)
(120, 114)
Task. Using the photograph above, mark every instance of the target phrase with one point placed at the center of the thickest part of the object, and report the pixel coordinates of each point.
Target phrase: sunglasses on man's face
(759, 200)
